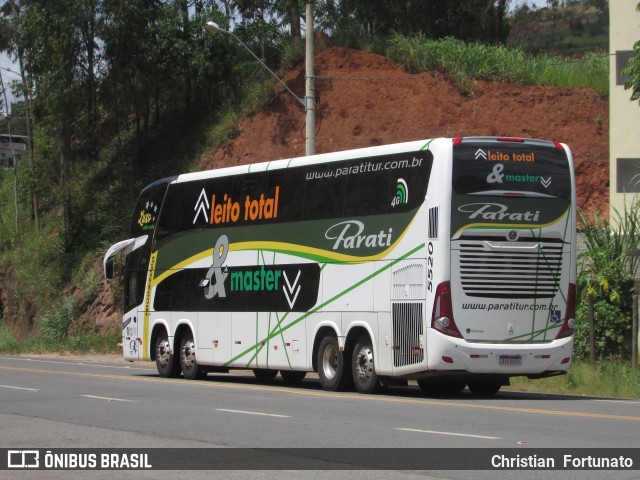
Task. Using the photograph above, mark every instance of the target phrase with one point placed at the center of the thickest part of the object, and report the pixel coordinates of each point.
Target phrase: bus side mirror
(108, 269)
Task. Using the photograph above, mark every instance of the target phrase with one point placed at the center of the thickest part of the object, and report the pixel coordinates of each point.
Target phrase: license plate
(510, 360)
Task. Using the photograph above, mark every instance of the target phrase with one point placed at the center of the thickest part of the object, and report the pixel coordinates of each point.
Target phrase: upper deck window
(486, 167)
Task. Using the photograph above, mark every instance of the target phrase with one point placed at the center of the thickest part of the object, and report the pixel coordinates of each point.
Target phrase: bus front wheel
(333, 373)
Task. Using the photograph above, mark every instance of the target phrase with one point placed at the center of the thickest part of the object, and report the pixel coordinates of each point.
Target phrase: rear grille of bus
(510, 274)
(407, 329)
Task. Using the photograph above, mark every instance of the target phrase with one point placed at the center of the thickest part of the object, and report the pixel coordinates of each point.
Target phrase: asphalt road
(61, 402)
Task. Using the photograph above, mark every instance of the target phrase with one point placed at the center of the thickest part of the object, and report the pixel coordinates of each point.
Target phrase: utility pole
(308, 102)
(310, 86)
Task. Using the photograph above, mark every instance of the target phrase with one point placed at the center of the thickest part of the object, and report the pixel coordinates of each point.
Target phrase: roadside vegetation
(463, 62)
(93, 343)
(607, 378)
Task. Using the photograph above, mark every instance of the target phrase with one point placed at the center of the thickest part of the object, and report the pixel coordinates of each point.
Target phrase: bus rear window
(511, 167)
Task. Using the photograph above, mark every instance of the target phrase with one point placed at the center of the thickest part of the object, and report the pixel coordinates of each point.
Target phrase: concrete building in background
(19, 144)
(624, 115)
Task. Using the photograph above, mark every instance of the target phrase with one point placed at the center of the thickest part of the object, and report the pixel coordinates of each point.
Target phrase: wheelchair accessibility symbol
(556, 316)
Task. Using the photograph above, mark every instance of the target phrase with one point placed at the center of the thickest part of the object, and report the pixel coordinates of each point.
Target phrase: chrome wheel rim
(163, 353)
(364, 364)
(188, 355)
(330, 362)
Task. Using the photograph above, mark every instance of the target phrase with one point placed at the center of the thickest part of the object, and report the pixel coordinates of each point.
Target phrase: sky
(10, 73)
(513, 4)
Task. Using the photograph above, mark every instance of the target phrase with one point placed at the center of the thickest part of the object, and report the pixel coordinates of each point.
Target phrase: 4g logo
(402, 193)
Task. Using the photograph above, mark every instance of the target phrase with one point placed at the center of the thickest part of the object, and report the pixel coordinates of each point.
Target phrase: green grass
(463, 62)
(85, 343)
(605, 379)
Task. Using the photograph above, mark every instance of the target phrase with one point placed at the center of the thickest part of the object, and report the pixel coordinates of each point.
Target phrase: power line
(6, 69)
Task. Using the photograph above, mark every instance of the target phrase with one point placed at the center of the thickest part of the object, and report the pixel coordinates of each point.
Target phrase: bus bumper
(449, 353)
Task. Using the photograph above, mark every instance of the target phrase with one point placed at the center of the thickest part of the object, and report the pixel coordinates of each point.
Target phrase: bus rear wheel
(441, 387)
(363, 369)
(332, 371)
(166, 362)
(188, 363)
(486, 388)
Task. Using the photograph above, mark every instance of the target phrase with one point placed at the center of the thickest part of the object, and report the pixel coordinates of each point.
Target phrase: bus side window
(249, 186)
(370, 196)
(324, 198)
(171, 216)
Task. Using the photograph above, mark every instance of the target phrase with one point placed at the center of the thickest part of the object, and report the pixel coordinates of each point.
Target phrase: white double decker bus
(447, 261)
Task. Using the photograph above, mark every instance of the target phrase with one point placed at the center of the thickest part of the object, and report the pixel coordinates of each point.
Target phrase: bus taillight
(570, 316)
(442, 317)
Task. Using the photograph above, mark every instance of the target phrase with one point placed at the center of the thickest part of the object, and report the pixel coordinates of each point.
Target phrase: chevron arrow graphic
(480, 154)
(202, 205)
(291, 291)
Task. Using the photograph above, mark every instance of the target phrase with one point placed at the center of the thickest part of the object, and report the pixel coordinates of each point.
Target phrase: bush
(605, 274)
(55, 326)
(8, 341)
(613, 331)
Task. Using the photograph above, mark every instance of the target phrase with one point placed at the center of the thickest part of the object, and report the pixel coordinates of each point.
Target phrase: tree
(633, 70)
(469, 20)
(11, 42)
(55, 44)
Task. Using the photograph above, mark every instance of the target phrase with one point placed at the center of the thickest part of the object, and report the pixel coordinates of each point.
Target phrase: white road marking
(109, 399)
(84, 364)
(449, 433)
(20, 388)
(618, 401)
(253, 413)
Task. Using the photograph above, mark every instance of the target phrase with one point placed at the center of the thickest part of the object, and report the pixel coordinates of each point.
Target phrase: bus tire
(485, 388)
(363, 368)
(441, 388)
(332, 370)
(188, 363)
(167, 363)
(264, 375)
(292, 377)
